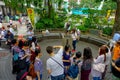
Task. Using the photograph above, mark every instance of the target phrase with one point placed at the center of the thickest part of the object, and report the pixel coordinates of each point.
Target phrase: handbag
(115, 72)
(32, 71)
(99, 67)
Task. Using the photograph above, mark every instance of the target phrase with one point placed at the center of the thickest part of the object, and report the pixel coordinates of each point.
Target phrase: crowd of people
(66, 64)
(8, 32)
(59, 65)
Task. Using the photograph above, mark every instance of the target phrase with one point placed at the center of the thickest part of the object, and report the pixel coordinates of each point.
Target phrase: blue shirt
(66, 57)
(38, 65)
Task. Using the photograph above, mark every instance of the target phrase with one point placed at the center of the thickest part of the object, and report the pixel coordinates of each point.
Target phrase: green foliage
(112, 22)
(82, 28)
(19, 4)
(109, 5)
(73, 3)
(93, 18)
(39, 25)
(107, 30)
(87, 23)
(88, 3)
(75, 16)
(59, 21)
(44, 23)
(114, 0)
(100, 0)
(56, 22)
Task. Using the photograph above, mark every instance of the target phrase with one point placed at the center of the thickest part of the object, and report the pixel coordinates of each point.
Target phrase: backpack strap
(76, 62)
(23, 76)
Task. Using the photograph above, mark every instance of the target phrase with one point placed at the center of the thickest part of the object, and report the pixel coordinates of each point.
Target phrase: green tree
(88, 3)
(59, 3)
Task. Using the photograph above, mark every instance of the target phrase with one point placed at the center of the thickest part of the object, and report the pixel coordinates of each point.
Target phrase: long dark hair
(20, 44)
(66, 48)
(87, 54)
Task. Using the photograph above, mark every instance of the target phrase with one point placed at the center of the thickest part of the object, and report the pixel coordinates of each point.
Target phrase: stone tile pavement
(6, 62)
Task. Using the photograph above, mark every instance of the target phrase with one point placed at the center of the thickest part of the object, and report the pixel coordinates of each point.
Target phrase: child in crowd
(38, 65)
(66, 58)
(15, 51)
(27, 53)
(75, 59)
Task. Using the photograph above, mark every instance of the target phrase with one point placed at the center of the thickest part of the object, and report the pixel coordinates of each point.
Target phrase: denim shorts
(60, 77)
(96, 78)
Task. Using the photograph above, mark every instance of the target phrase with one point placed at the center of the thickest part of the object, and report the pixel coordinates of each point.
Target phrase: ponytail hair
(103, 51)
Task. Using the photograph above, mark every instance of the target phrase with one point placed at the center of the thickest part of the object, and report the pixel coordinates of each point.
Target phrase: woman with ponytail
(101, 59)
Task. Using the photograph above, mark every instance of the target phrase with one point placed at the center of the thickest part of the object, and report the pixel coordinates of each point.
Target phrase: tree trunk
(45, 3)
(117, 18)
(60, 4)
(3, 10)
(49, 8)
(10, 10)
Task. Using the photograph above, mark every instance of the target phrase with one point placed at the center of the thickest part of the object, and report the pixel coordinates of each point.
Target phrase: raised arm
(58, 47)
(118, 68)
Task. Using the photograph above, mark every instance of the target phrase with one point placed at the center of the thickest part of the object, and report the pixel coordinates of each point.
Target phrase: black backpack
(114, 70)
(22, 75)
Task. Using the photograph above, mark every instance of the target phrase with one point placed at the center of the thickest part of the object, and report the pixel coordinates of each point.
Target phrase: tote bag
(99, 67)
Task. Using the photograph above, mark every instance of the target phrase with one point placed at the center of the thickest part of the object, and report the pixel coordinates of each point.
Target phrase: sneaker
(73, 50)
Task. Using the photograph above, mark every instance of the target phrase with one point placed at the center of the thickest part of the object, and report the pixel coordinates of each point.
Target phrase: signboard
(30, 12)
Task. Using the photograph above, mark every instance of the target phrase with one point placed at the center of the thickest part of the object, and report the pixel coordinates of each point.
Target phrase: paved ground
(5, 68)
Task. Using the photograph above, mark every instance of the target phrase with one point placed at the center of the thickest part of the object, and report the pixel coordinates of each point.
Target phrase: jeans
(74, 44)
(96, 78)
(27, 65)
(60, 77)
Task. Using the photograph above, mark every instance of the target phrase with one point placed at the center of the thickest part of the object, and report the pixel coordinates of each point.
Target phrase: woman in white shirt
(107, 62)
(74, 37)
(101, 59)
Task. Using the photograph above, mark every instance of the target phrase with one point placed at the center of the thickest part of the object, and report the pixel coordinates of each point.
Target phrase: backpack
(22, 75)
(115, 72)
(73, 70)
(32, 71)
(15, 55)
